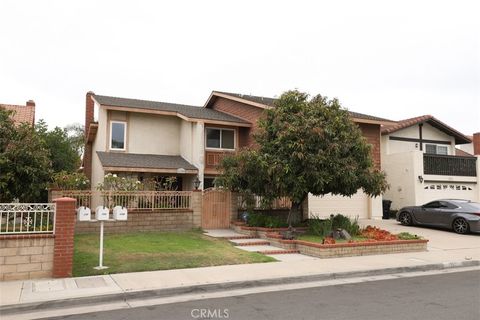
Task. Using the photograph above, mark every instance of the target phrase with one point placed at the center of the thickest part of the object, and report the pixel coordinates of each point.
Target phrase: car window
(448, 205)
(433, 204)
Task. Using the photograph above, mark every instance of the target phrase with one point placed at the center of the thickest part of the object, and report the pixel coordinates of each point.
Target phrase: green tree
(305, 146)
(63, 148)
(25, 165)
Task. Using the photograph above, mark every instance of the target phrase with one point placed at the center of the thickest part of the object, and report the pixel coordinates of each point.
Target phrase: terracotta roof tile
(460, 138)
(21, 113)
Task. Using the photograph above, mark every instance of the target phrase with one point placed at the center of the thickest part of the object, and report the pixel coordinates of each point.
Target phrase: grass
(315, 238)
(156, 251)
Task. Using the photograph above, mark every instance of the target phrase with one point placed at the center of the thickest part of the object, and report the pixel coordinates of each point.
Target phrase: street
(444, 296)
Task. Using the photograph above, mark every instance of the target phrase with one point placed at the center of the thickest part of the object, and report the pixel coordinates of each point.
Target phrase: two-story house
(153, 139)
(148, 139)
(422, 163)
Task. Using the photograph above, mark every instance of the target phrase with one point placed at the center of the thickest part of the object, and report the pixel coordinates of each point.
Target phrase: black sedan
(462, 216)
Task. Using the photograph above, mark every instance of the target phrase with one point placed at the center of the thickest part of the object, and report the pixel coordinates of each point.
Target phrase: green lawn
(156, 251)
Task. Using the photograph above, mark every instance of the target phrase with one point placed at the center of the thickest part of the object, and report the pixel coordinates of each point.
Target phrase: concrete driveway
(438, 239)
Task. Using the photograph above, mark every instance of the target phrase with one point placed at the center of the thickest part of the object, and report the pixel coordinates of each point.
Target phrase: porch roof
(135, 162)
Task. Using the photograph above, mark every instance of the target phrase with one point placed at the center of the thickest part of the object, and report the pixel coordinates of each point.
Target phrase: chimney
(89, 110)
(476, 143)
(31, 103)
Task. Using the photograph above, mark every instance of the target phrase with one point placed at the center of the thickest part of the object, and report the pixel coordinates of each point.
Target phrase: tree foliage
(63, 148)
(25, 166)
(305, 146)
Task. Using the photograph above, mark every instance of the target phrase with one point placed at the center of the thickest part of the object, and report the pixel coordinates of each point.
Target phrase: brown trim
(370, 121)
(419, 140)
(226, 96)
(155, 170)
(176, 114)
(420, 133)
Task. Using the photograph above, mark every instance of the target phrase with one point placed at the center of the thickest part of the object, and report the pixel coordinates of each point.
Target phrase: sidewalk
(445, 250)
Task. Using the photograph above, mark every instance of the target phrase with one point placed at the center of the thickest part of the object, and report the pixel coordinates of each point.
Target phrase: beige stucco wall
(153, 134)
(99, 144)
(359, 205)
(403, 170)
(428, 133)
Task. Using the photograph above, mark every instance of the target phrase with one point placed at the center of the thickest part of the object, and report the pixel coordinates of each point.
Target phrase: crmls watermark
(210, 313)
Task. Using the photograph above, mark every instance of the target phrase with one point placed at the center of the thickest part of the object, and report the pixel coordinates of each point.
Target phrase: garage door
(437, 190)
(354, 206)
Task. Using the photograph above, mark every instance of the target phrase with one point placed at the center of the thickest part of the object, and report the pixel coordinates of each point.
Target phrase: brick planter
(347, 249)
(259, 232)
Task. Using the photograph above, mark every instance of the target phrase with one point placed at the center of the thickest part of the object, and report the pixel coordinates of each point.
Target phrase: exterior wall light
(196, 183)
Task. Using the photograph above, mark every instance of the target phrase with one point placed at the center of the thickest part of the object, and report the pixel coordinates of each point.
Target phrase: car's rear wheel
(405, 219)
(460, 226)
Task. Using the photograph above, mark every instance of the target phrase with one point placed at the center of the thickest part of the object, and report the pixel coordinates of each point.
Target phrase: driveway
(438, 239)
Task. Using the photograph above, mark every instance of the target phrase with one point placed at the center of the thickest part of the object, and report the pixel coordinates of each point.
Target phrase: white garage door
(437, 190)
(357, 205)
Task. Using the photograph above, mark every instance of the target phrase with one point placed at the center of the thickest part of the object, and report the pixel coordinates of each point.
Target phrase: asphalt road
(446, 296)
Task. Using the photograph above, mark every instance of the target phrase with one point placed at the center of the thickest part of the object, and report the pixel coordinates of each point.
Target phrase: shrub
(320, 227)
(407, 236)
(323, 227)
(264, 221)
(70, 181)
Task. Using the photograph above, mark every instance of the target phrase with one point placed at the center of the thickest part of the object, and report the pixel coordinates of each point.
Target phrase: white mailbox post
(84, 214)
(102, 214)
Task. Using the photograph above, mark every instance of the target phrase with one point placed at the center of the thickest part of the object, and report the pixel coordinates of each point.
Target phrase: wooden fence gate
(216, 209)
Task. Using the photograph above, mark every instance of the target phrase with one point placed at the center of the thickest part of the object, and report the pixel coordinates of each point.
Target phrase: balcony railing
(449, 165)
(213, 158)
(133, 200)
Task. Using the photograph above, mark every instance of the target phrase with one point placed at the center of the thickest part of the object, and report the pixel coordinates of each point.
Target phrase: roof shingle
(270, 102)
(150, 161)
(185, 110)
(460, 138)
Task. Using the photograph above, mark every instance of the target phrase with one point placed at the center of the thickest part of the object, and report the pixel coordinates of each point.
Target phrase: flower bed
(378, 242)
(260, 232)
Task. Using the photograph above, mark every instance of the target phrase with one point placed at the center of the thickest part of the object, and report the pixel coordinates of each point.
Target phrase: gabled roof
(460, 138)
(461, 153)
(21, 114)
(190, 112)
(145, 162)
(266, 103)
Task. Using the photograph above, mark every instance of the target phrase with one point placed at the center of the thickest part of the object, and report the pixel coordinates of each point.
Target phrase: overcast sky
(393, 59)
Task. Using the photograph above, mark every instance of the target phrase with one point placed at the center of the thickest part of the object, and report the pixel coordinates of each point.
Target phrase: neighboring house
(22, 114)
(148, 139)
(420, 158)
(472, 148)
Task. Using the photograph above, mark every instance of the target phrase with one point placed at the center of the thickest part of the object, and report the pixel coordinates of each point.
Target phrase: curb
(215, 287)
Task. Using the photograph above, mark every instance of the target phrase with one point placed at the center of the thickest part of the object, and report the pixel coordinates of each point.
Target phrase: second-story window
(220, 138)
(118, 135)
(436, 149)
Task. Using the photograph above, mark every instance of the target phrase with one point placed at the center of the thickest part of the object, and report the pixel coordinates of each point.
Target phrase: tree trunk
(295, 214)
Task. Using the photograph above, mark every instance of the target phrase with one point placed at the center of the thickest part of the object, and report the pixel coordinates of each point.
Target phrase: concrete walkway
(445, 249)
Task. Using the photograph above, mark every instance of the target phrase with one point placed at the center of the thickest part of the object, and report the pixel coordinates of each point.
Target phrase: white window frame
(224, 129)
(437, 146)
(124, 135)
